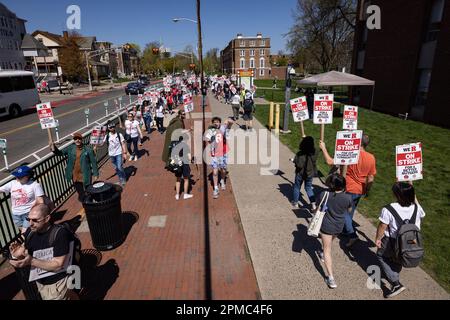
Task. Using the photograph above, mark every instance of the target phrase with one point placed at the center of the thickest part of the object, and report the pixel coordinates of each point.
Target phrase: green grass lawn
(269, 83)
(433, 192)
(275, 95)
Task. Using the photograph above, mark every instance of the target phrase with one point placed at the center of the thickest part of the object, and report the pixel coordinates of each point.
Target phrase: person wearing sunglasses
(25, 193)
(81, 164)
(46, 248)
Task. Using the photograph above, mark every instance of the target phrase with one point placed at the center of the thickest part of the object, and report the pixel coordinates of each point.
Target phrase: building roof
(86, 43)
(55, 37)
(5, 8)
(31, 43)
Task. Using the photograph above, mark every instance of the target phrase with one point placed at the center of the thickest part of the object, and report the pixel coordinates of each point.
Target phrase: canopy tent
(335, 78)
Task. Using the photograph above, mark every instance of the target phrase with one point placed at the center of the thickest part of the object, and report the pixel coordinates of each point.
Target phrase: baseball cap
(77, 135)
(22, 171)
(111, 125)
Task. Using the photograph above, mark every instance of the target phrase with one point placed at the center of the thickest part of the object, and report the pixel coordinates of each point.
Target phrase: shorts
(219, 162)
(20, 221)
(248, 116)
(185, 172)
(55, 291)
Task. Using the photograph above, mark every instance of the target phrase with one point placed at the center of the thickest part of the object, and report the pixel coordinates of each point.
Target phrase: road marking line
(4, 134)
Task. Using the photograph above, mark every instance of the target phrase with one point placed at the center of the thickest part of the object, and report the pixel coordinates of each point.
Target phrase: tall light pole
(88, 70)
(289, 71)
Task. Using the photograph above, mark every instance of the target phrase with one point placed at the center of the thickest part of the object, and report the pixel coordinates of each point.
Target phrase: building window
(262, 43)
(252, 63)
(261, 72)
(242, 43)
(242, 64)
(262, 63)
(242, 53)
(262, 52)
(252, 53)
(252, 43)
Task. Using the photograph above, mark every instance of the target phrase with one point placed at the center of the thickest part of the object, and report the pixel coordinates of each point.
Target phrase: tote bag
(316, 221)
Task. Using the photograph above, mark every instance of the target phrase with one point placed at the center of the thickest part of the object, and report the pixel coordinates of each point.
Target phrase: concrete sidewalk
(282, 253)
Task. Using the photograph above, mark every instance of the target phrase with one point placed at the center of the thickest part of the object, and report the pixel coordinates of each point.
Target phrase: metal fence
(50, 173)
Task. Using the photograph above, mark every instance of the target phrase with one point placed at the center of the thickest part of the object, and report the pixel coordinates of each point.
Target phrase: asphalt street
(25, 136)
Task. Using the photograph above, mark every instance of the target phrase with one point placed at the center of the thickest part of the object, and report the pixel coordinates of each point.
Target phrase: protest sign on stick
(409, 164)
(323, 111)
(348, 146)
(300, 112)
(350, 118)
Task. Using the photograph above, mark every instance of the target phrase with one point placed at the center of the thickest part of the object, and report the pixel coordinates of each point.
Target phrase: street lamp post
(289, 71)
(88, 70)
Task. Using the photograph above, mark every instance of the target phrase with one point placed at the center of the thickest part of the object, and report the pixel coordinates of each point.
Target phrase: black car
(135, 88)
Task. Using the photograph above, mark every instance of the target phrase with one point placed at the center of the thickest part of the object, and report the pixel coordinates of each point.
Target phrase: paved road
(25, 136)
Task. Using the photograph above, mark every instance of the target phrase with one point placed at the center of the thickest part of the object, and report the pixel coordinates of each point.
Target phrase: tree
(71, 59)
(211, 62)
(150, 61)
(322, 35)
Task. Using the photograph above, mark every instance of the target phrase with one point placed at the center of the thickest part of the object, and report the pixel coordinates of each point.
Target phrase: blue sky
(141, 21)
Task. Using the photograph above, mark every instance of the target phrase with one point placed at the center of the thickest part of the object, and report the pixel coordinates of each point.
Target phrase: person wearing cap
(249, 109)
(81, 164)
(25, 193)
(117, 151)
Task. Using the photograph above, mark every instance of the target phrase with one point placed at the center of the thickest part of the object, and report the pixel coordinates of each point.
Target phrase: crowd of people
(346, 186)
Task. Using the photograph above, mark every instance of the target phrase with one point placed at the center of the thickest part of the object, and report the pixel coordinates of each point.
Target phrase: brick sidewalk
(169, 262)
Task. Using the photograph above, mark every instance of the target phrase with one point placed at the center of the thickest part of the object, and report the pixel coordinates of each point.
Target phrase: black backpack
(248, 105)
(119, 135)
(408, 245)
(175, 163)
(55, 229)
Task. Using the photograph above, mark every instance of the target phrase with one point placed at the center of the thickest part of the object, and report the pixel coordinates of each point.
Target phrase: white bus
(17, 92)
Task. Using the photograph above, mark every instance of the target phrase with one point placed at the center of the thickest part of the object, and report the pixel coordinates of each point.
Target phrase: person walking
(249, 109)
(184, 152)
(25, 193)
(359, 178)
(305, 162)
(337, 204)
(406, 208)
(174, 127)
(160, 118)
(134, 132)
(235, 105)
(81, 164)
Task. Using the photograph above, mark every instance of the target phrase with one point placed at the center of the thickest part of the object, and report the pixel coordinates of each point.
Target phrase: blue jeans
(117, 162)
(308, 187)
(148, 123)
(20, 220)
(349, 230)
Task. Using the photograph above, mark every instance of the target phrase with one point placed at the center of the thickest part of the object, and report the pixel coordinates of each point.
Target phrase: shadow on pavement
(129, 218)
(9, 287)
(97, 281)
(303, 242)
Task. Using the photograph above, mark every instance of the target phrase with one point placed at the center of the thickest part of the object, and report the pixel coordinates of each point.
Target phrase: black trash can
(29, 289)
(104, 215)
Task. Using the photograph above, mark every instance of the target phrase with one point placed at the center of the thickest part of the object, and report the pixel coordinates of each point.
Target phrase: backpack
(56, 228)
(175, 163)
(118, 135)
(408, 245)
(248, 105)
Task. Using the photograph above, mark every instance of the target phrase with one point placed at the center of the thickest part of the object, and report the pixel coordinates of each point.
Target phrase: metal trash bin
(29, 289)
(104, 215)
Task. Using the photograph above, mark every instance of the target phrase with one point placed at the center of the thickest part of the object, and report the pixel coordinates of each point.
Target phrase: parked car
(144, 80)
(135, 88)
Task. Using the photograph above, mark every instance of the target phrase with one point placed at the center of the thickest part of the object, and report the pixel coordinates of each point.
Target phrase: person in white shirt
(117, 151)
(160, 118)
(25, 193)
(236, 105)
(133, 129)
(387, 231)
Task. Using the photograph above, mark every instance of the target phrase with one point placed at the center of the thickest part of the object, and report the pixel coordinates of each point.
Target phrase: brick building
(408, 58)
(247, 53)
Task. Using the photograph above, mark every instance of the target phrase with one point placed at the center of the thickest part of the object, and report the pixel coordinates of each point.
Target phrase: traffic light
(155, 51)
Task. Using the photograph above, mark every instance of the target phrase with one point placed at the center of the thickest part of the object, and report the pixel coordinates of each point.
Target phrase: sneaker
(188, 196)
(351, 242)
(331, 283)
(216, 193)
(313, 206)
(177, 197)
(136, 158)
(294, 205)
(396, 289)
(319, 254)
(223, 185)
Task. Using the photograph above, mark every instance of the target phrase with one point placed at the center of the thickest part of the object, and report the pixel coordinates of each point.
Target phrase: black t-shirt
(338, 204)
(37, 241)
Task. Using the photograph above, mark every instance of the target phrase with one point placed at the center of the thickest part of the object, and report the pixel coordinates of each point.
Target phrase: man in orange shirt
(359, 180)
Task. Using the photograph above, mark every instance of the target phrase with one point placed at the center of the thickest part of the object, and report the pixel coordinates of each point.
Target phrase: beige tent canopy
(335, 78)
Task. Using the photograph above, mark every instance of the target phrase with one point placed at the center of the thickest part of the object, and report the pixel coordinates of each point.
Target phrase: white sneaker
(136, 158)
(177, 197)
(331, 283)
(188, 196)
(223, 185)
(313, 206)
(216, 193)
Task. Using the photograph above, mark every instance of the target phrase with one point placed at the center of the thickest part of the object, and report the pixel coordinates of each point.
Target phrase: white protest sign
(98, 134)
(299, 109)
(140, 99)
(323, 108)
(348, 145)
(188, 103)
(409, 162)
(47, 255)
(45, 114)
(350, 118)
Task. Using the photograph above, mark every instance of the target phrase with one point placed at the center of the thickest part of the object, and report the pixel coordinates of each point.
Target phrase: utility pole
(287, 106)
(89, 72)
